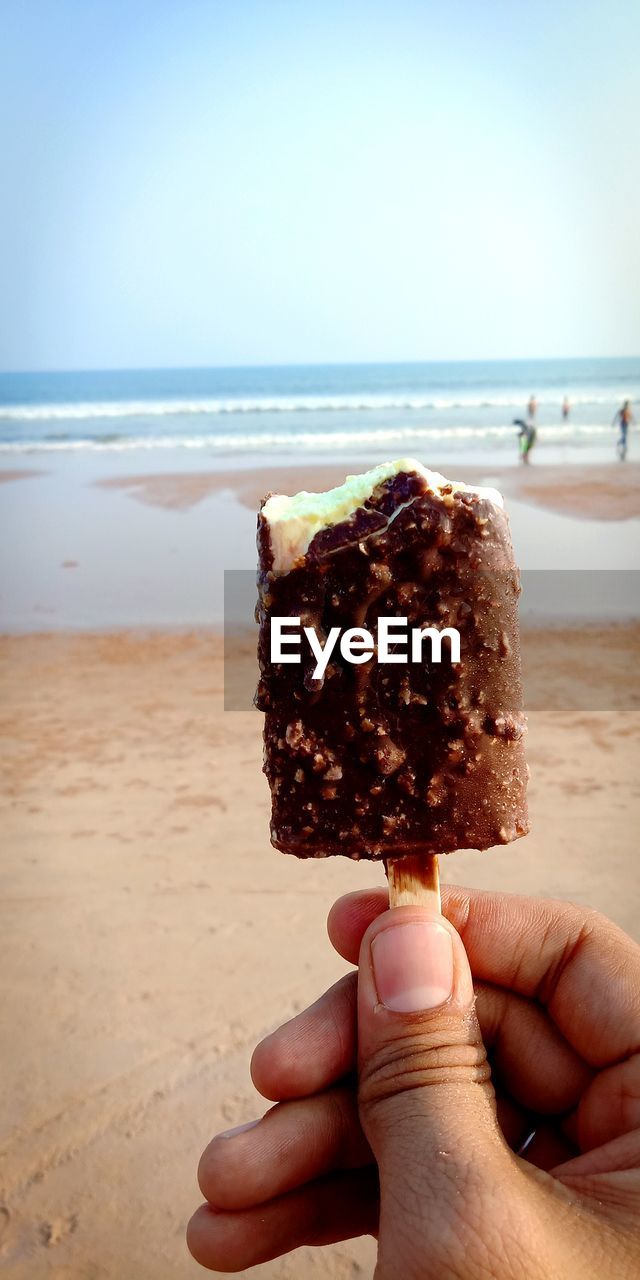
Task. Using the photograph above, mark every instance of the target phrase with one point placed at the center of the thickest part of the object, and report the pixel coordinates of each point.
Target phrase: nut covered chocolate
(380, 759)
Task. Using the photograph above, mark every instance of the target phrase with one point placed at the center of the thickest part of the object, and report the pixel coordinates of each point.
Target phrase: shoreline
(607, 491)
(603, 490)
(574, 489)
(91, 551)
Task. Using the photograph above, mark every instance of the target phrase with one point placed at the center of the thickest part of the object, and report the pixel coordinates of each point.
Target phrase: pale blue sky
(196, 182)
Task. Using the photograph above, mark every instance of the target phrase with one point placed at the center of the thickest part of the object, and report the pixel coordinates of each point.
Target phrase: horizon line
(305, 364)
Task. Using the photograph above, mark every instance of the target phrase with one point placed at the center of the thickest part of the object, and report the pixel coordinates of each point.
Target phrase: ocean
(321, 410)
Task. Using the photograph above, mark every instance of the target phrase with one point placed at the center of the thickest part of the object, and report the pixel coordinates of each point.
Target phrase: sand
(150, 935)
(148, 928)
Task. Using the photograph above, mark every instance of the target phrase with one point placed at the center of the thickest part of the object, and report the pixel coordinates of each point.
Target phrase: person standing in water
(624, 419)
(526, 438)
(527, 430)
(565, 409)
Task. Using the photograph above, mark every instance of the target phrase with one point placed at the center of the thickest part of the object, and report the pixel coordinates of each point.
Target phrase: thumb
(426, 1101)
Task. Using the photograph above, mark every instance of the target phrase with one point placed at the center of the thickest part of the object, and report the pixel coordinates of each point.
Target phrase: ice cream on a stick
(393, 759)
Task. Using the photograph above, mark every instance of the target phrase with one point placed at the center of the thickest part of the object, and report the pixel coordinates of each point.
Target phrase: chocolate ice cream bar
(374, 748)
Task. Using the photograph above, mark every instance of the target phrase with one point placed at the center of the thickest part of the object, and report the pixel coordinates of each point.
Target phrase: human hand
(557, 1005)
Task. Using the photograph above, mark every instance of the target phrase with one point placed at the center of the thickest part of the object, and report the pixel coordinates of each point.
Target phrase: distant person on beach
(623, 419)
(565, 409)
(532, 409)
(526, 438)
(387, 1121)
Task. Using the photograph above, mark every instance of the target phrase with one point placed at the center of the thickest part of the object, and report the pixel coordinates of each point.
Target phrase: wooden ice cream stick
(414, 882)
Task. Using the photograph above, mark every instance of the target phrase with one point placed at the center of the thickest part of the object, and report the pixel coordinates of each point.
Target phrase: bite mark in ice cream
(294, 521)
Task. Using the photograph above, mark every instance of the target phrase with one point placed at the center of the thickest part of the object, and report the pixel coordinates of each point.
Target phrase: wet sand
(7, 476)
(610, 492)
(95, 551)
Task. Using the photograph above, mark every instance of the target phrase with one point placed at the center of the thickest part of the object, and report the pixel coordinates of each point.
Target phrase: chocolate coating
(380, 760)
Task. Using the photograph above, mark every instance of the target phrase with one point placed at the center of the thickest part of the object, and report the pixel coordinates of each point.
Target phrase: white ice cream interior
(294, 521)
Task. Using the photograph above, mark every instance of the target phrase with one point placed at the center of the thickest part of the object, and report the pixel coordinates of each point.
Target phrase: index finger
(574, 961)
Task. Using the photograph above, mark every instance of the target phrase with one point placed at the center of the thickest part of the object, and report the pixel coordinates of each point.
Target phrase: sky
(218, 182)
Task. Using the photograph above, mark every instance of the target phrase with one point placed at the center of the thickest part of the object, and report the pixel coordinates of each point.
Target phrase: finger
(569, 958)
(610, 1107)
(295, 1143)
(529, 1058)
(350, 917)
(424, 1081)
(299, 1141)
(621, 1155)
(609, 1178)
(312, 1050)
(336, 1208)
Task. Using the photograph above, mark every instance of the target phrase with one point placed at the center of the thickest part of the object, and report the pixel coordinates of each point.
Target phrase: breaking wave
(81, 412)
(356, 438)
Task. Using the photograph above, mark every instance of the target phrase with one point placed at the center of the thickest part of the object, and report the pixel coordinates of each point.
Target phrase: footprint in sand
(51, 1233)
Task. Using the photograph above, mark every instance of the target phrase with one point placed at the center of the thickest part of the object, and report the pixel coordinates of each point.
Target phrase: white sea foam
(78, 412)
(265, 441)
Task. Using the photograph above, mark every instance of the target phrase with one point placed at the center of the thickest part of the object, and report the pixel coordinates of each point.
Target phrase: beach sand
(150, 935)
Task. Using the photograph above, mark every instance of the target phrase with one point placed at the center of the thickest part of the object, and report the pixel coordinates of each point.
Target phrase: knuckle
(418, 1059)
(341, 1011)
(582, 925)
(336, 1119)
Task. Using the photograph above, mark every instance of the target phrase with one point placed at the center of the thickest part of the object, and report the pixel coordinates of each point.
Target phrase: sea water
(326, 411)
